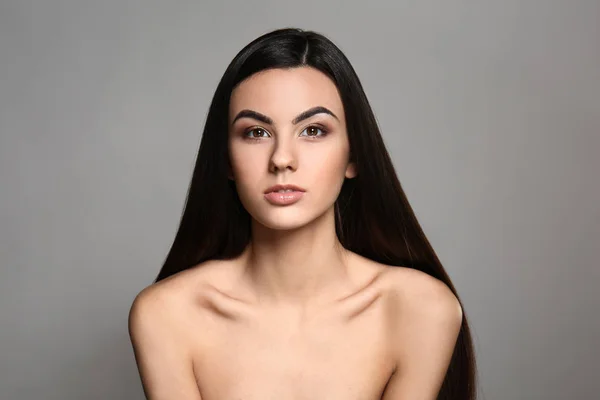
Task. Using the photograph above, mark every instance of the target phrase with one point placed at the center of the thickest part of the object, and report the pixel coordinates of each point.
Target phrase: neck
(295, 267)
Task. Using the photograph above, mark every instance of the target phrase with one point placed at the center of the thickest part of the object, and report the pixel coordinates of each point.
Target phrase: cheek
(244, 162)
(327, 167)
(333, 158)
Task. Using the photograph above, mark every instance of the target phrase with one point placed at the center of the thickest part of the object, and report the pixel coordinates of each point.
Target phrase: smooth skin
(295, 316)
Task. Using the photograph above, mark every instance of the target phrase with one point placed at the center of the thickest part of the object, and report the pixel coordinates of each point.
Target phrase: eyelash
(323, 130)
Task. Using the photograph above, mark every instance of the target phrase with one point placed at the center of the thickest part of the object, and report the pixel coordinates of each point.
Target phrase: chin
(279, 221)
(288, 218)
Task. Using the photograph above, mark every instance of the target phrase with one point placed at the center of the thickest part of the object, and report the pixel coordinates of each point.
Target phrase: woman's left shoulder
(420, 294)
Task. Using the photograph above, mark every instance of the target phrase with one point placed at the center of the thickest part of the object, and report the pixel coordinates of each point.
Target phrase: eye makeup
(323, 132)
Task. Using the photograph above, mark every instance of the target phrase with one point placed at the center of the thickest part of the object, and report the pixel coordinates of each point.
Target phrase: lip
(283, 199)
(284, 187)
(275, 198)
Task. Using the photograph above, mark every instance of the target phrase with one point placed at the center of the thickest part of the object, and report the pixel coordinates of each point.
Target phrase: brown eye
(257, 130)
(313, 131)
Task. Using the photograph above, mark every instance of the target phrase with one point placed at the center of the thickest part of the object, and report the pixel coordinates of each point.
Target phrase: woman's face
(284, 148)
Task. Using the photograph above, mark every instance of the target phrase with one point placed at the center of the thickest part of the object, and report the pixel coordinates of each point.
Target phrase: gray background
(491, 111)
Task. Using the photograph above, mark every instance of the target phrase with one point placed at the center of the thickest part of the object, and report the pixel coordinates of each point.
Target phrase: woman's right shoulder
(163, 326)
(175, 294)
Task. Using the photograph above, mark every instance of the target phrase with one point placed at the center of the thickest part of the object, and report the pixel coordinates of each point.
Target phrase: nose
(284, 156)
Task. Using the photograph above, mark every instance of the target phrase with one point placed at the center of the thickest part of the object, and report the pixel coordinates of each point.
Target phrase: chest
(336, 357)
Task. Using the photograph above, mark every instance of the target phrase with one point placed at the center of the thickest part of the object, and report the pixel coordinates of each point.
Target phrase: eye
(259, 133)
(257, 130)
(314, 128)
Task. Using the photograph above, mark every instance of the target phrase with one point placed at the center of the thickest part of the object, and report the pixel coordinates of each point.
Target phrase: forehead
(283, 93)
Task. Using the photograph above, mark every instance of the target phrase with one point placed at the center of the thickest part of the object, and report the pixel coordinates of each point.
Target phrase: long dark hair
(372, 215)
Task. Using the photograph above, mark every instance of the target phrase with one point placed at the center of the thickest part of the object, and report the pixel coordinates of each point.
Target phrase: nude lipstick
(282, 195)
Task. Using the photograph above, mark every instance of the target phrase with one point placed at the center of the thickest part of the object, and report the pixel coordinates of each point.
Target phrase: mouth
(284, 194)
(284, 189)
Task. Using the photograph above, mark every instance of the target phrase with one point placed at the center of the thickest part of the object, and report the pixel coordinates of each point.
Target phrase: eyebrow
(301, 117)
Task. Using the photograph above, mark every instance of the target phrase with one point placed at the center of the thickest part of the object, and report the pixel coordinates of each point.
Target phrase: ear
(351, 170)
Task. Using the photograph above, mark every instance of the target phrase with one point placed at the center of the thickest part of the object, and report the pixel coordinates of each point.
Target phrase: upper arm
(426, 326)
(163, 359)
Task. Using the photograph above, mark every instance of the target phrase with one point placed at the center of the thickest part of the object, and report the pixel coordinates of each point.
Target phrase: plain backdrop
(490, 110)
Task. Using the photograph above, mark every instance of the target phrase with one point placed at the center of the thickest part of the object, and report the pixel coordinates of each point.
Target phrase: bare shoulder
(413, 297)
(425, 319)
(161, 325)
(173, 298)
(416, 293)
(170, 310)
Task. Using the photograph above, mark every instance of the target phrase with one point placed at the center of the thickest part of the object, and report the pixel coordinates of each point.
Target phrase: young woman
(299, 270)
